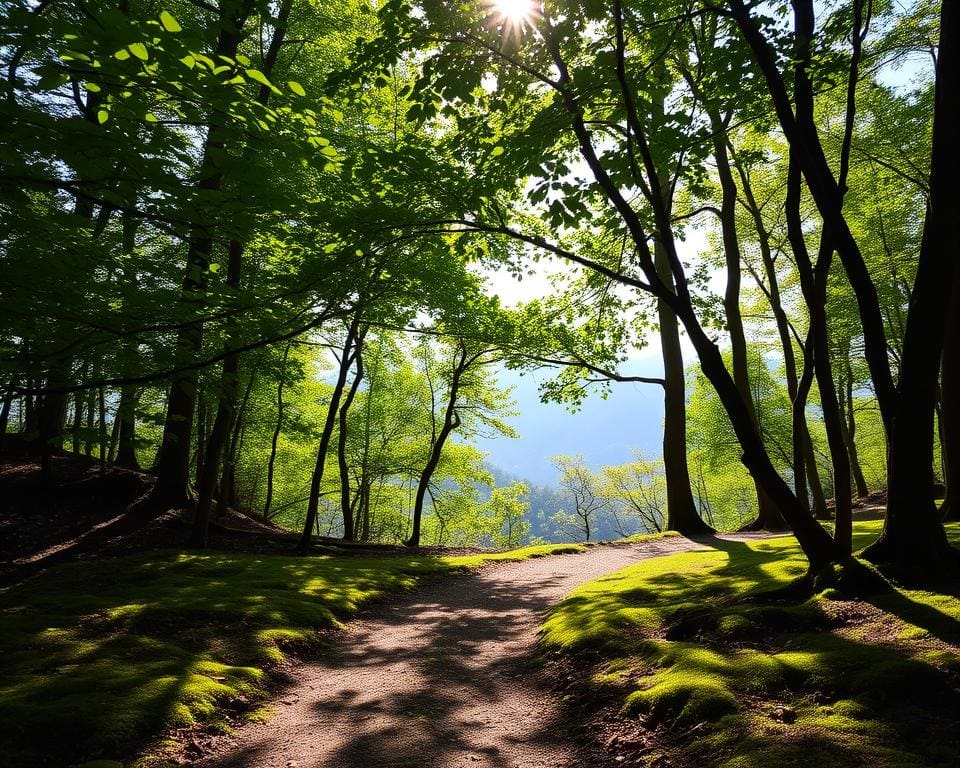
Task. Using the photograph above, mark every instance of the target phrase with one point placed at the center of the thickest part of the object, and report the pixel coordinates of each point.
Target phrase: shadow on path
(444, 677)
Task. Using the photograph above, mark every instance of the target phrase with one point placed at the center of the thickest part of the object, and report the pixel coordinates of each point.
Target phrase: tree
(913, 540)
(638, 488)
(584, 492)
(507, 511)
(543, 83)
(460, 396)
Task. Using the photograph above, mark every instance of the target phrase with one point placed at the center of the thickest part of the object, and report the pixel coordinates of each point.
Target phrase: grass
(99, 657)
(513, 555)
(823, 683)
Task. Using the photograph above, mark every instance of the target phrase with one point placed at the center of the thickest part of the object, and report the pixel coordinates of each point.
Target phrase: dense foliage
(245, 244)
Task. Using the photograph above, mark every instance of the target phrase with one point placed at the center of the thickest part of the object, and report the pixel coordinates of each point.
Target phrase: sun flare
(516, 11)
(512, 17)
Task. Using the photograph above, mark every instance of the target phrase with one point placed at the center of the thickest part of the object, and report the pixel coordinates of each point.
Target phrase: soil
(445, 677)
(85, 513)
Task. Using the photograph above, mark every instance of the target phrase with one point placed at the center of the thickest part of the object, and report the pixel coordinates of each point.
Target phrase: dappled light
(479, 384)
(691, 641)
(181, 637)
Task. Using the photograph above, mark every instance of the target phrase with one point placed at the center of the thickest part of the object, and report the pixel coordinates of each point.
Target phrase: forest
(252, 312)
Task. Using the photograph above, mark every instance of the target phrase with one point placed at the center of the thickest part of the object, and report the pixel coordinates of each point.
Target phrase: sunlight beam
(513, 16)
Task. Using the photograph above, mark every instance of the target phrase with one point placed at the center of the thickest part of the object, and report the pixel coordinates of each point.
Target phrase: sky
(606, 431)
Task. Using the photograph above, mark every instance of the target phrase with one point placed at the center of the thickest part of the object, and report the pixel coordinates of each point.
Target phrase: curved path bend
(440, 678)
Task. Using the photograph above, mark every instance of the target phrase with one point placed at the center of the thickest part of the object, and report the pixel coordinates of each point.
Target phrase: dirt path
(439, 679)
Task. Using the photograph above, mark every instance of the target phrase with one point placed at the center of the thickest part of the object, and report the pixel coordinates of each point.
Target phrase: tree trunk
(222, 424)
(682, 514)
(127, 429)
(848, 426)
(768, 518)
(365, 512)
(218, 436)
(31, 418)
(228, 479)
(277, 429)
(227, 401)
(813, 281)
(807, 151)
(77, 427)
(52, 406)
(814, 278)
(820, 511)
(102, 431)
(172, 465)
(833, 421)
(816, 543)
(451, 420)
(5, 411)
(346, 360)
(201, 434)
(913, 541)
(950, 407)
(345, 505)
(805, 469)
(91, 412)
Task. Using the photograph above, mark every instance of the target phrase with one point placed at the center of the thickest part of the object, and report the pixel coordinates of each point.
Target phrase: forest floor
(661, 653)
(696, 660)
(448, 677)
(139, 647)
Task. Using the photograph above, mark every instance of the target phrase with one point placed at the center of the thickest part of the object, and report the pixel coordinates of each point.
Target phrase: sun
(512, 16)
(514, 11)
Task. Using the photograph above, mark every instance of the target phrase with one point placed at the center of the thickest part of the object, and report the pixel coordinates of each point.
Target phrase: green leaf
(214, 267)
(496, 152)
(139, 50)
(150, 117)
(122, 55)
(296, 88)
(92, 87)
(256, 74)
(102, 116)
(55, 80)
(169, 23)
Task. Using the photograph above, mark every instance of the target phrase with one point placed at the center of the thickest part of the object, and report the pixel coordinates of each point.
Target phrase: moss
(107, 654)
(641, 537)
(683, 697)
(260, 714)
(514, 555)
(693, 641)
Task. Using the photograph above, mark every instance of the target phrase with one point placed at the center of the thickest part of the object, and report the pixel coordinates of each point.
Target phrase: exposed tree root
(851, 578)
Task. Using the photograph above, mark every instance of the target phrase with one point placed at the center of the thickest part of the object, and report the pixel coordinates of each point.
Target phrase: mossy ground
(98, 657)
(733, 682)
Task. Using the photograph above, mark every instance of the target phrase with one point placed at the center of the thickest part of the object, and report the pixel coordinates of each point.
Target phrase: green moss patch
(689, 644)
(514, 555)
(99, 657)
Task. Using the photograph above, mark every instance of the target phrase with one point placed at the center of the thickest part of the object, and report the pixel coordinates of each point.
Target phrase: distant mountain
(605, 431)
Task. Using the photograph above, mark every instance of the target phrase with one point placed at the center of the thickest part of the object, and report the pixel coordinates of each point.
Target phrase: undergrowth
(726, 678)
